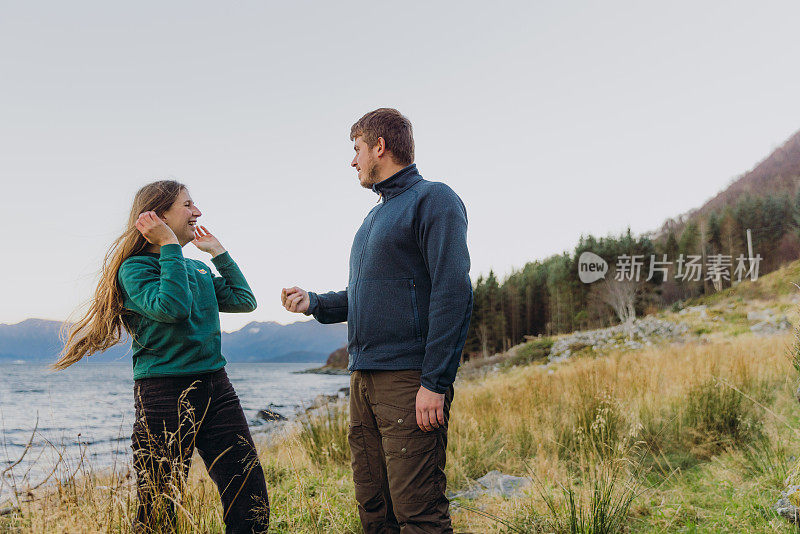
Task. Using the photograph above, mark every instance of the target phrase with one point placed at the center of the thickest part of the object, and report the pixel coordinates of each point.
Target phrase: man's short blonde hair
(393, 127)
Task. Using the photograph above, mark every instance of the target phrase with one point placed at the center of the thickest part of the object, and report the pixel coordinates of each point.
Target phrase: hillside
(778, 173)
(759, 211)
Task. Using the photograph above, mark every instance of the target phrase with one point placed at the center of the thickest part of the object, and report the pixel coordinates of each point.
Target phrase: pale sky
(549, 119)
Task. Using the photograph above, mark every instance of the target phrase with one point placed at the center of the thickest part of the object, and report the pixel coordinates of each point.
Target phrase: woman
(170, 307)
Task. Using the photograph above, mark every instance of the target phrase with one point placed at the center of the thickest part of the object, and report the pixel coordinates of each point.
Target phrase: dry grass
(698, 436)
(691, 406)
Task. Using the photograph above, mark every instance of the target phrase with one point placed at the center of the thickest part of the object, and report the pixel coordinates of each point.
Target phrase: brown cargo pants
(398, 468)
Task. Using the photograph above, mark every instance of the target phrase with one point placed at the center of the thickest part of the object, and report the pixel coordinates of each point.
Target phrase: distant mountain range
(307, 341)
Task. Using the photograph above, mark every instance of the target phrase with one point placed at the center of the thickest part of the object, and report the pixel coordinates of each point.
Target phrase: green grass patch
(533, 351)
(715, 417)
(323, 435)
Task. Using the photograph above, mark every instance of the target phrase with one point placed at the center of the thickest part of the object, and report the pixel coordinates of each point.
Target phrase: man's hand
(205, 241)
(430, 409)
(155, 230)
(295, 299)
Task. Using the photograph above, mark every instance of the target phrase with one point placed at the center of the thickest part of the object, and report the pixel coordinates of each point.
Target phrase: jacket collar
(398, 182)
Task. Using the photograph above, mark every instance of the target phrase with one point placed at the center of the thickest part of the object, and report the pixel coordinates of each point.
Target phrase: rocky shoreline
(268, 421)
(335, 365)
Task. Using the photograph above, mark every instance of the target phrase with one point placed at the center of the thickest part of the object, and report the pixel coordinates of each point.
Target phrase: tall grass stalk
(323, 435)
(596, 502)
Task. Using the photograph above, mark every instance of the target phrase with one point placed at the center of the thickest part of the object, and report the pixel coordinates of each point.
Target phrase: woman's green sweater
(174, 306)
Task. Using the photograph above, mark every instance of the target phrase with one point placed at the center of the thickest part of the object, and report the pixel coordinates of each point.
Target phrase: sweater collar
(398, 182)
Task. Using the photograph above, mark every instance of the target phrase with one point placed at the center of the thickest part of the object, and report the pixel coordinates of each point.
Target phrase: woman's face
(182, 216)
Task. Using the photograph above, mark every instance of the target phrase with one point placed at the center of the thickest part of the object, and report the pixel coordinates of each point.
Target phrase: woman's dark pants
(174, 416)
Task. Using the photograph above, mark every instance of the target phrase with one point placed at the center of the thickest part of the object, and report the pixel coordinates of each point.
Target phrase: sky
(549, 119)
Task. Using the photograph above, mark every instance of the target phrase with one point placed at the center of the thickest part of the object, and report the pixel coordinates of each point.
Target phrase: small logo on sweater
(202, 271)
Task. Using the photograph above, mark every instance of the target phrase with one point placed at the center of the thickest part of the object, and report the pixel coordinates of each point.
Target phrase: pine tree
(495, 319)
(714, 237)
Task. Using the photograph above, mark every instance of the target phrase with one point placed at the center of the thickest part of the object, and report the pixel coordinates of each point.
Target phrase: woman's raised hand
(205, 241)
(155, 230)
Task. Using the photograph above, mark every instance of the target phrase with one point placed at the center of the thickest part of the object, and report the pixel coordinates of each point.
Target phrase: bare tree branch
(621, 296)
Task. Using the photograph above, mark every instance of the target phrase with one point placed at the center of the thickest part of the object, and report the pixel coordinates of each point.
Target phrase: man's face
(366, 163)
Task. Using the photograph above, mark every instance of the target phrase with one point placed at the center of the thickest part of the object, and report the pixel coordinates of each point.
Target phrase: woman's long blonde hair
(101, 327)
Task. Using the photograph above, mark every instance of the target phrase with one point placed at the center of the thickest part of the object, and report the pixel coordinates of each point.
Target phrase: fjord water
(88, 409)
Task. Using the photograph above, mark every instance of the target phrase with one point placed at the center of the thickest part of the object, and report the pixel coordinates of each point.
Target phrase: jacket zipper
(358, 275)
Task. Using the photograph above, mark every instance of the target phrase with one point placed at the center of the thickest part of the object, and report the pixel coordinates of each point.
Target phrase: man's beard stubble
(373, 177)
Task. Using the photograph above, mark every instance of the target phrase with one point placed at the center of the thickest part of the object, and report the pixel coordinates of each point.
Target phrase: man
(407, 306)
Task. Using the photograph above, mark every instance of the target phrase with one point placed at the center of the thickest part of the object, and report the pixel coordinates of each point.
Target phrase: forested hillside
(547, 296)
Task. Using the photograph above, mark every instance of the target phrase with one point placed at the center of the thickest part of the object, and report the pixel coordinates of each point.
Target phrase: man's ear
(381, 145)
